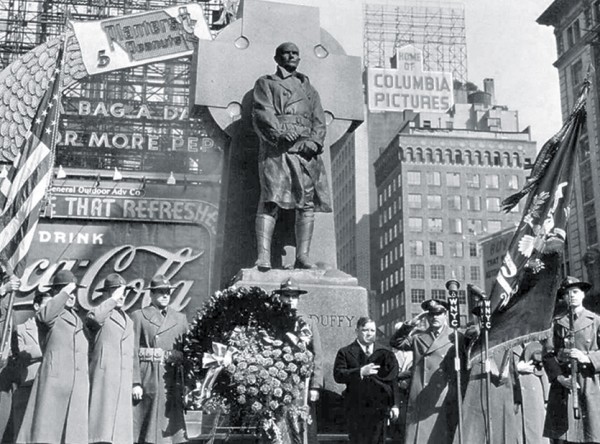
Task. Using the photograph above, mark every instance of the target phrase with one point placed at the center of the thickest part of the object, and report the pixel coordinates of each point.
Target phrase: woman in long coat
(111, 367)
(57, 411)
(432, 412)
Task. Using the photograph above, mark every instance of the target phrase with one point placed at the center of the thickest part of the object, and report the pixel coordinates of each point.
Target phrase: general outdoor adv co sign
(409, 87)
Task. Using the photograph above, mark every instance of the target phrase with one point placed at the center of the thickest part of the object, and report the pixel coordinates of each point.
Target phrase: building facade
(440, 183)
(576, 25)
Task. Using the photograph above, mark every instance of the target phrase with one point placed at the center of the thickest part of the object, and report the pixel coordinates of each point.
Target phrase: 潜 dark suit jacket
(371, 395)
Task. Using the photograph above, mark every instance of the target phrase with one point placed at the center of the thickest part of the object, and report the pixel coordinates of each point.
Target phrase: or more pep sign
(408, 87)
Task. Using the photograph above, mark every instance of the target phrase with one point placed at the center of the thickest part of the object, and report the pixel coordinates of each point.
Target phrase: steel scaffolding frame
(26, 24)
(437, 28)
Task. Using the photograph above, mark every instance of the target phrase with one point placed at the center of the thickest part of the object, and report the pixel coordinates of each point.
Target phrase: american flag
(23, 189)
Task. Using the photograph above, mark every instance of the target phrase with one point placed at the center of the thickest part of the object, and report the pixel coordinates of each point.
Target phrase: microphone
(476, 291)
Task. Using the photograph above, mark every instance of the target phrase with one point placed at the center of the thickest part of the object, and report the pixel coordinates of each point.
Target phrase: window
(434, 178)
(492, 181)
(454, 202)
(417, 295)
(455, 225)
(416, 247)
(492, 203)
(436, 248)
(474, 203)
(494, 225)
(426, 123)
(456, 249)
(472, 180)
(417, 271)
(512, 182)
(415, 224)
(453, 179)
(591, 231)
(414, 177)
(560, 44)
(434, 224)
(460, 272)
(475, 226)
(438, 272)
(475, 273)
(576, 30)
(576, 75)
(472, 249)
(434, 201)
(414, 201)
(440, 295)
(570, 36)
(462, 297)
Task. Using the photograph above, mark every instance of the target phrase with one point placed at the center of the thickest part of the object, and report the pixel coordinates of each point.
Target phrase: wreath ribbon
(215, 362)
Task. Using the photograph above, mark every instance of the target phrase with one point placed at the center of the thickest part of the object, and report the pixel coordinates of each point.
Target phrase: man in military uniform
(158, 409)
(111, 366)
(579, 344)
(432, 411)
(306, 330)
(57, 411)
(290, 122)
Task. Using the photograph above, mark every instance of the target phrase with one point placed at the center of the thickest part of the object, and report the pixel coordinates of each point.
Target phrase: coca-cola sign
(133, 249)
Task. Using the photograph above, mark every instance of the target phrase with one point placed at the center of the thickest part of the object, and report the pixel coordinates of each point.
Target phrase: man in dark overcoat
(369, 371)
(158, 405)
(57, 410)
(307, 331)
(562, 348)
(111, 366)
(432, 410)
(290, 123)
(27, 356)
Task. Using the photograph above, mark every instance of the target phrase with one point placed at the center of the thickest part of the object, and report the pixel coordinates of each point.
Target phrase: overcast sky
(505, 42)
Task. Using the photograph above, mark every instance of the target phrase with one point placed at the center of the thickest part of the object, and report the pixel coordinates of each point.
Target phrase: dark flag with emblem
(523, 295)
(23, 189)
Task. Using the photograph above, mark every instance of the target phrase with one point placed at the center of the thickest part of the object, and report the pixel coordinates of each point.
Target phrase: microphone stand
(486, 324)
(454, 320)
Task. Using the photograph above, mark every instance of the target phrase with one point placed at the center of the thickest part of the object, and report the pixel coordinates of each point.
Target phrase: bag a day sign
(409, 87)
(139, 39)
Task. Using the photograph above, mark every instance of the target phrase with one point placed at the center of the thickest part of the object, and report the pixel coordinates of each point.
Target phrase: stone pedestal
(334, 300)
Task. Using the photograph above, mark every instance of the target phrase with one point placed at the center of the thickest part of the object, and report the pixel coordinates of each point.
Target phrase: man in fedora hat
(111, 366)
(565, 345)
(57, 411)
(306, 330)
(432, 411)
(158, 409)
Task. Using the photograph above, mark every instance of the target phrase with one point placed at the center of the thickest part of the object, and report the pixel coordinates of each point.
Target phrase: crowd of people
(409, 393)
(103, 376)
(96, 377)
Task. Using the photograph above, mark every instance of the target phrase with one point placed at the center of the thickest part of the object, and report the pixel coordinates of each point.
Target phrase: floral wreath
(242, 356)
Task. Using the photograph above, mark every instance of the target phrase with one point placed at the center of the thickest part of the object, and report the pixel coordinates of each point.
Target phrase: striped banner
(23, 189)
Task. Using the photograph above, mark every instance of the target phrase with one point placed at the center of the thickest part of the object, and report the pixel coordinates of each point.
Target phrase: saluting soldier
(57, 411)
(111, 366)
(158, 414)
(432, 412)
(581, 345)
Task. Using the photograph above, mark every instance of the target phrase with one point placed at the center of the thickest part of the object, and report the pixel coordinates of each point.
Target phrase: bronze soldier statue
(290, 122)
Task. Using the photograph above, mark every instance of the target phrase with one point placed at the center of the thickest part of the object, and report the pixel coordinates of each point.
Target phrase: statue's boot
(265, 224)
(305, 224)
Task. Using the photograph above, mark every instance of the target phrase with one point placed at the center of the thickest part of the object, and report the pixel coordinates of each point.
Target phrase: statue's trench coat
(111, 374)
(158, 418)
(432, 414)
(284, 102)
(57, 411)
(560, 420)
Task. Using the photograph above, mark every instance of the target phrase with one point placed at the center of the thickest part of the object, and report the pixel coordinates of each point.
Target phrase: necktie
(368, 351)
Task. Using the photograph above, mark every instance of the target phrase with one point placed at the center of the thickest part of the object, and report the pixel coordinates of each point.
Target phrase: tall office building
(440, 183)
(576, 24)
